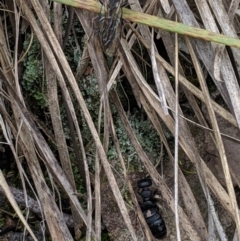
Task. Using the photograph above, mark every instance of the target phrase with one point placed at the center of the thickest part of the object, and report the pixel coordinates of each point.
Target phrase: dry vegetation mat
(72, 74)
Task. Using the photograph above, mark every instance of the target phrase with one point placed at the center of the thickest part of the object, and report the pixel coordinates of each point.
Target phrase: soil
(112, 218)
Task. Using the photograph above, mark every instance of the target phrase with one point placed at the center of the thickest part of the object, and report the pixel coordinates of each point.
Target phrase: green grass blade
(157, 22)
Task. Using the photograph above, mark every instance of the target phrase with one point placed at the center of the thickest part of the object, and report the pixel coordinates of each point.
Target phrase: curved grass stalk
(157, 22)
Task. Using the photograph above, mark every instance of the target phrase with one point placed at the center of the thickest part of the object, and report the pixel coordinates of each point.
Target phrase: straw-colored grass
(209, 56)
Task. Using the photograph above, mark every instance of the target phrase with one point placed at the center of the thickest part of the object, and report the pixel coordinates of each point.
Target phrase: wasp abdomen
(150, 210)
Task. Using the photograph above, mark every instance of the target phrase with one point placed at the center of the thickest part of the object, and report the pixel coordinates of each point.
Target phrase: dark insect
(150, 210)
(108, 25)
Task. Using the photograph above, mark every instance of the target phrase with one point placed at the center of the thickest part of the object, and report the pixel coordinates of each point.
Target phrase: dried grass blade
(192, 208)
(97, 198)
(11, 199)
(162, 187)
(215, 220)
(113, 77)
(157, 78)
(147, 231)
(204, 50)
(187, 144)
(166, 6)
(147, 95)
(54, 108)
(176, 136)
(34, 205)
(231, 82)
(190, 87)
(191, 152)
(233, 8)
(51, 162)
(7, 133)
(207, 16)
(68, 73)
(216, 188)
(218, 62)
(55, 66)
(217, 135)
(100, 70)
(54, 220)
(211, 227)
(169, 92)
(235, 238)
(220, 110)
(188, 84)
(82, 63)
(222, 64)
(97, 182)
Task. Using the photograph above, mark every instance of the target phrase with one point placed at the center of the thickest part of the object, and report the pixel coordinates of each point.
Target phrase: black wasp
(108, 25)
(150, 210)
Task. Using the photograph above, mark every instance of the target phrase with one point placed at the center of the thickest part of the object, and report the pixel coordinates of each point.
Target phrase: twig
(33, 205)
